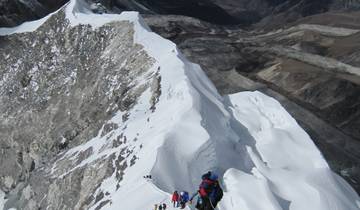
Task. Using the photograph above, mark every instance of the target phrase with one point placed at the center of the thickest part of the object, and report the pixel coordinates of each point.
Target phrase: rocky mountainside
(57, 93)
(60, 86)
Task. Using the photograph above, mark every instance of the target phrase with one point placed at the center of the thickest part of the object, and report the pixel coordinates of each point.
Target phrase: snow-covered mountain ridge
(92, 103)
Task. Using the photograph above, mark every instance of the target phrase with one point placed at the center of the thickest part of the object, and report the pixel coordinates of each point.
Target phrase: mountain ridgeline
(228, 12)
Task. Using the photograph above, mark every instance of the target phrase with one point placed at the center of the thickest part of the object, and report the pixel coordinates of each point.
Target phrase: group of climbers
(180, 200)
(208, 195)
(161, 206)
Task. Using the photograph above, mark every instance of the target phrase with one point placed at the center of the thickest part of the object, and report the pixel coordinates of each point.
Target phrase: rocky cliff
(59, 85)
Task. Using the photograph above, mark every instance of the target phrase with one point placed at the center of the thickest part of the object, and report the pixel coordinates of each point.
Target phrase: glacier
(266, 160)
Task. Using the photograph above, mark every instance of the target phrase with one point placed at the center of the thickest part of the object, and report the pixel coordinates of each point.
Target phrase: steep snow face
(176, 128)
(289, 171)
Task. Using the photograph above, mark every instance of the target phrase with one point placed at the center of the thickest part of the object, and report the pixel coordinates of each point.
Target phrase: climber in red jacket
(175, 199)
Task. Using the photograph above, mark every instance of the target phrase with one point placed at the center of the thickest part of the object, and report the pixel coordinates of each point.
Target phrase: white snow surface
(2, 199)
(266, 160)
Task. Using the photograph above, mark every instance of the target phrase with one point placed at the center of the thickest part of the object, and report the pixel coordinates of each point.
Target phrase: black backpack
(216, 194)
(219, 193)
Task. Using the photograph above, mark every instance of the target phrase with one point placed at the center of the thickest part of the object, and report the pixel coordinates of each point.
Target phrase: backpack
(186, 197)
(217, 194)
(211, 188)
(206, 187)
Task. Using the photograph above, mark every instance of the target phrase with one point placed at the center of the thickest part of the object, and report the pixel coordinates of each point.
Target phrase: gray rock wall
(59, 85)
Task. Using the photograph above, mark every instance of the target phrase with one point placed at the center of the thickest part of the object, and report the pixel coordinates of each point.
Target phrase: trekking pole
(211, 204)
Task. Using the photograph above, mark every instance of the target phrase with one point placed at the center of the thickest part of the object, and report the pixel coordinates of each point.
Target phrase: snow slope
(290, 173)
(2, 199)
(267, 161)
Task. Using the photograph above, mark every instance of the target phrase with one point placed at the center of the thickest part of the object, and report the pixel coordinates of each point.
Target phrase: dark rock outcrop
(14, 12)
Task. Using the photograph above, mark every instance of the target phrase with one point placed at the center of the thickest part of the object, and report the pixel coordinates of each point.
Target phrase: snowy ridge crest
(261, 150)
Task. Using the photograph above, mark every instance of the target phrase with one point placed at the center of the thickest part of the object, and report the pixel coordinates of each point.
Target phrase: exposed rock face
(312, 69)
(59, 85)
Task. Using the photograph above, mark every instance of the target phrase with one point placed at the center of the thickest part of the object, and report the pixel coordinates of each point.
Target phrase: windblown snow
(266, 160)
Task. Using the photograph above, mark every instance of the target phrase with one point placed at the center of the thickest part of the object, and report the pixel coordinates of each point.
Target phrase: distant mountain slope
(227, 12)
(14, 12)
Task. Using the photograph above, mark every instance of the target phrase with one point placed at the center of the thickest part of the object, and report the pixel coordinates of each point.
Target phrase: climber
(206, 176)
(175, 199)
(147, 177)
(210, 192)
(155, 207)
(160, 206)
(184, 198)
(164, 206)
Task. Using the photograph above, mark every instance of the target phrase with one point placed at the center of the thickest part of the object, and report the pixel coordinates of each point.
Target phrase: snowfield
(2, 199)
(266, 160)
(289, 172)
